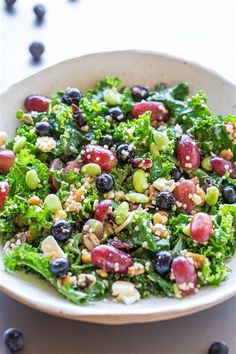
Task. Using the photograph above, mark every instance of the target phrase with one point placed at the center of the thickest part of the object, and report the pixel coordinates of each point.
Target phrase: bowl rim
(126, 51)
(129, 316)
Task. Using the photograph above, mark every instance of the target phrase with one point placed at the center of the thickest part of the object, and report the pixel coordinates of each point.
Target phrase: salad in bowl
(121, 192)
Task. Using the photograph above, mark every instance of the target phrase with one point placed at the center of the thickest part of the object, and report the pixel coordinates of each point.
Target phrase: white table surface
(202, 31)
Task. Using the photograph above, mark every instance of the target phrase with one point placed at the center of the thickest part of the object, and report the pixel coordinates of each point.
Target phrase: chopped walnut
(119, 196)
(102, 273)
(67, 279)
(78, 194)
(202, 195)
(198, 259)
(73, 202)
(230, 128)
(85, 256)
(152, 193)
(109, 195)
(86, 281)
(90, 241)
(227, 154)
(18, 240)
(159, 230)
(160, 218)
(35, 201)
(59, 215)
(136, 269)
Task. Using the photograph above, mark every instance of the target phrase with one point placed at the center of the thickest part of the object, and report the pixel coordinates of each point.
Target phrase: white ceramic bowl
(134, 67)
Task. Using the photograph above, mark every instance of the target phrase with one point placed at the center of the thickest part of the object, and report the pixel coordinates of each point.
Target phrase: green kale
(161, 167)
(195, 118)
(122, 177)
(9, 217)
(28, 258)
(25, 161)
(139, 233)
(136, 131)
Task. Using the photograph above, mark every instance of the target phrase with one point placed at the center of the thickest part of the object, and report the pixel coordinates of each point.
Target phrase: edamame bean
(154, 150)
(212, 195)
(91, 169)
(112, 97)
(161, 140)
(52, 202)
(32, 180)
(20, 142)
(121, 213)
(136, 198)
(206, 164)
(140, 181)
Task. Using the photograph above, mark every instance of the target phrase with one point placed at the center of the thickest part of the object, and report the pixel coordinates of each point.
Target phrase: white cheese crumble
(125, 292)
(45, 143)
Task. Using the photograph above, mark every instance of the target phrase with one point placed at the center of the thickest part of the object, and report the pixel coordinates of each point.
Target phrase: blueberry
(61, 230)
(125, 152)
(162, 262)
(165, 201)
(104, 183)
(229, 195)
(73, 95)
(79, 118)
(39, 11)
(175, 173)
(10, 3)
(60, 267)
(139, 92)
(107, 141)
(43, 129)
(116, 113)
(36, 49)
(218, 348)
(13, 339)
(207, 183)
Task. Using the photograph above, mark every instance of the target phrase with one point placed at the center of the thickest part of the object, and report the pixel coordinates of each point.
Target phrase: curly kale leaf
(220, 247)
(122, 177)
(9, 215)
(195, 118)
(25, 161)
(136, 131)
(161, 167)
(28, 258)
(139, 233)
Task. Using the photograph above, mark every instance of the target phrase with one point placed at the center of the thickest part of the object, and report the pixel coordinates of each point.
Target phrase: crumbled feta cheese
(164, 185)
(125, 292)
(45, 143)
(51, 248)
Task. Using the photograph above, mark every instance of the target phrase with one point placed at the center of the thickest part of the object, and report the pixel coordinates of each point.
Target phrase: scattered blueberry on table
(218, 348)
(39, 11)
(13, 340)
(10, 3)
(36, 49)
